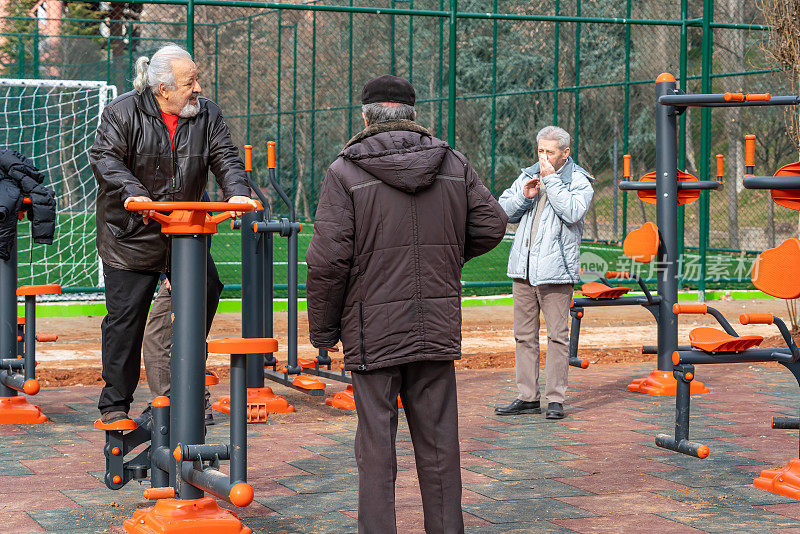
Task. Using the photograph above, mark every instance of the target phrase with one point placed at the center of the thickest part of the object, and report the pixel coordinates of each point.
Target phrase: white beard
(190, 110)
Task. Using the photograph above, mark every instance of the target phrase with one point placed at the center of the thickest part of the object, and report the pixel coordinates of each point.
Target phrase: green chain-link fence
(488, 75)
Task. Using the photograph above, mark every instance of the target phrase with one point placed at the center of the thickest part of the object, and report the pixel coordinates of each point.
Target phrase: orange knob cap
(702, 451)
(115, 451)
(248, 157)
(241, 494)
(117, 479)
(31, 387)
(271, 154)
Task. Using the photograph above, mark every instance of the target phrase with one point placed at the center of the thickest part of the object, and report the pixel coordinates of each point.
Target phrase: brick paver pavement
(596, 471)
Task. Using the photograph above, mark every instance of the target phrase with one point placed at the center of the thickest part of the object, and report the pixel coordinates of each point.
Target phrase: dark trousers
(428, 392)
(128, 298)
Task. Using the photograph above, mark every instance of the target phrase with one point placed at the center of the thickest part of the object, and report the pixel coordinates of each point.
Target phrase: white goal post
(54, 122)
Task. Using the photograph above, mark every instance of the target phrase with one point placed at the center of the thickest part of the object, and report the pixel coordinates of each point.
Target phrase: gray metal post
(8, 310)
(667, 221)
(188, 347)
(292, 367)
(159, 438)
(240, 366)
(252, 298)
(266, 301)
(30, 336)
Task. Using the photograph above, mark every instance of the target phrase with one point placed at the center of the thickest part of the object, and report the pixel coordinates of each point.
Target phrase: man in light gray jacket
(549, 200)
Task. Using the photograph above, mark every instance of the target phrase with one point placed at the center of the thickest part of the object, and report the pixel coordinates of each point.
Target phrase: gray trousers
(157, 342)
(552, 300)
(428, 392)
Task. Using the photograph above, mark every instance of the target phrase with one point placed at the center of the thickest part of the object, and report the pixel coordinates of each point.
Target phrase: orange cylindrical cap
(584, 364)
(159, 493)
(733, 97)
(19, 338)
(626, 165)
(702, 451)
(750, 150)
(689, 377)
(177, 454)
(579, 314)
(271, 154)
(117, 479)
(241, 494)
(160, 402)
(720, 169)
(248, 157)
(31, 387)
(676, 358)
(115, 451)
(665, 77)
(689, 308)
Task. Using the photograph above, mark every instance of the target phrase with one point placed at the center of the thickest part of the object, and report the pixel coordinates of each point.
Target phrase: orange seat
(642, 244)
(788, 198)
(596, 290)
(775, 270)
(714, 340)
(49, 289)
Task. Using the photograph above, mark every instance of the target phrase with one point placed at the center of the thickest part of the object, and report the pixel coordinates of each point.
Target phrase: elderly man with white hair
(549, 201)
(157, 142)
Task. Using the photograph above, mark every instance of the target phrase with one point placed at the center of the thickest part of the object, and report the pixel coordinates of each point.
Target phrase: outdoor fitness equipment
(18, 341)
(774, 273)
(667, 188)
(257, 314)
(182, 466)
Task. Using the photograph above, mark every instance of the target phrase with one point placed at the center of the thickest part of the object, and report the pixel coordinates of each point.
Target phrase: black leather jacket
(132, 156)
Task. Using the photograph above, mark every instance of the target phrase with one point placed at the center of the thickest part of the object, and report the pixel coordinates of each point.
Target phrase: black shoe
(209, 419)
(518, 407)
(145, 419)
(555, 410)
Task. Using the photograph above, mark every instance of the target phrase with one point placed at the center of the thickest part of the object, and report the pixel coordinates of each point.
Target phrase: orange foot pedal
(172, 516)
(18, 411)
(783, 481)
(212, 378)
(663, 383)
(343, 400)
(307, 382)
(256, 398)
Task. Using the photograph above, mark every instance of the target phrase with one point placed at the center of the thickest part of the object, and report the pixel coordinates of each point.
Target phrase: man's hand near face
(531, 188)
(545, 167)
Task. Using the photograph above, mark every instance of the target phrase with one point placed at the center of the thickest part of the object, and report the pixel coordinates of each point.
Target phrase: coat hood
(401, 154)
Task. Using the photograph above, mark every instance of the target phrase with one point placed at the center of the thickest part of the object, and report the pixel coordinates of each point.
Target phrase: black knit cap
(388, 88)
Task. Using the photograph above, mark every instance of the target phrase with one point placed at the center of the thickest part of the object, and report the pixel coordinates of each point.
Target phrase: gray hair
(386, 112)
(554, 133)
(150, 72)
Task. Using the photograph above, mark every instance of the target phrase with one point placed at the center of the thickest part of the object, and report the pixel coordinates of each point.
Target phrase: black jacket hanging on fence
(20, 179)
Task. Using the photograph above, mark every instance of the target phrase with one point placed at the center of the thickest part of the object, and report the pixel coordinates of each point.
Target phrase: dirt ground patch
(608, 336)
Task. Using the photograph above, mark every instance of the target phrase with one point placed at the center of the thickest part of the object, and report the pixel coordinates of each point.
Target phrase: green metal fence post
(216, 64)
(705, 143)
(109, 58)
(682, 133)
(278, 98)
(576, 118)
(556, 52)
(21, 58)
(313, 99)
(391, 40)
(411, 43)
(441, 71)
(350, 80)
(294, 111)
(36, 49)
(190, 27)
(249, 51)
(451, 74)
(494, 100)
(626, 112)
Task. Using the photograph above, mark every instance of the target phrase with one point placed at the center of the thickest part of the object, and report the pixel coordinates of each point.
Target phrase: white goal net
(53, 122)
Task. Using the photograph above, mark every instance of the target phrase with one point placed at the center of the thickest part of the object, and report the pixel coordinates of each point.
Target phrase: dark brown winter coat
(132, 156)
(399, 214)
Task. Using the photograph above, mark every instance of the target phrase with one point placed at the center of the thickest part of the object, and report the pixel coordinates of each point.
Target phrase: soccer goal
(54, 123)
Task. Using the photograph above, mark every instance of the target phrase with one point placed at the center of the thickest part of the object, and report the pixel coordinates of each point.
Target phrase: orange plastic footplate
(783, 481)
(18, 411)
(343, 400)
(260, 402)
(596, 290)
(714, 340)
(176, 516)
(663, 383)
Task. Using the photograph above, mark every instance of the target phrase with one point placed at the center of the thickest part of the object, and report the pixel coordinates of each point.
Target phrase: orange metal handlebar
(271, 154)
(720, 170)
(208, 207)
(750, 150)
(618, 274)
(756, 318)
(733, 97)
(626, 165)
(678, 308)
(248, 157)
(758, 97)
(159, 493)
